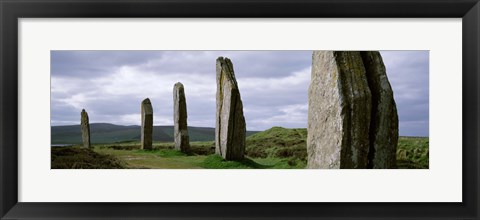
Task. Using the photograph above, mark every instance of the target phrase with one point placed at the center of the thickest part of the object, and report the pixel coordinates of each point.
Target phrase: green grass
(159, 158)
(282, 163)
(275, 148)
(413, 153)
(155, 159)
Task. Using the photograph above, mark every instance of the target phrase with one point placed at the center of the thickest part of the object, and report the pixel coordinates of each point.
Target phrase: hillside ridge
(112, 133)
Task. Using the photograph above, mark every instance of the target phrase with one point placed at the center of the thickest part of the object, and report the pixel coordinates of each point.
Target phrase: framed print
(312, 109)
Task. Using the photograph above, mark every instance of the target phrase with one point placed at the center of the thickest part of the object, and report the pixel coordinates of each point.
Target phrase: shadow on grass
(201, 149)
(408, 164)
(121, 147)
(217, 162)
(162, 152)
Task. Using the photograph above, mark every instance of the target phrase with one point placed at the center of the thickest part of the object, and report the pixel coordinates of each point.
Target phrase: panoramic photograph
(239, 109)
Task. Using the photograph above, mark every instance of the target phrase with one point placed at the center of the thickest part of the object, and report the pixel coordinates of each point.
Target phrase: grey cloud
(408, 72)
(95, 63)
(246, 63)
(273, 85)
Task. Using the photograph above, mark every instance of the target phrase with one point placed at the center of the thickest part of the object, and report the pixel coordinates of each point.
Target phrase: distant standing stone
(85, 125)
(339, 111)
(230, 129)
(180, 130)
(147, 124)
(384, 124)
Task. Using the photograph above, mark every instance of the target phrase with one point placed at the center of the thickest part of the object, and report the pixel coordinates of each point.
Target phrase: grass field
(276, 148)
(161, 157)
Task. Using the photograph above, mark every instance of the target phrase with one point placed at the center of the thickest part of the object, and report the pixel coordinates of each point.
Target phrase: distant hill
(110, 133)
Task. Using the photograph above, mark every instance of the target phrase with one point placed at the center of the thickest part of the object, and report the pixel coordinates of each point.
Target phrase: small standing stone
(180, 130)
(147, 124)
(230, 129)
(84, 123)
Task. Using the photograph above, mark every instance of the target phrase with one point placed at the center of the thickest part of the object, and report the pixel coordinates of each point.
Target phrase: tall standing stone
(85, 125)
(147, 124)
(339, 111)
(384, 123)
(180, 129)
(230, 129)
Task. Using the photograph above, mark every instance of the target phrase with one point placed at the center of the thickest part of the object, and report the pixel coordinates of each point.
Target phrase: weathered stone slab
(180, 129)
(339, 111)
(147, 124)
(85, 125)
(384, 121)
(230, 129)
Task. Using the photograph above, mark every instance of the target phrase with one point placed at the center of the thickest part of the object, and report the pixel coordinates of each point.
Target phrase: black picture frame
(12, 10)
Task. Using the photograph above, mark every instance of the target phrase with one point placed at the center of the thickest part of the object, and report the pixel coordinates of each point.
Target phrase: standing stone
(85, 125)
(384, 123)
(339, 111)
(180, 131)
(230, 129)
(147, 124)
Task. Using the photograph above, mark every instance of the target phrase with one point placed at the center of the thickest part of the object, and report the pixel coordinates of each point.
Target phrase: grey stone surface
(339, 111)
(85, 125)
(384, 122)
(180, 129)
(230, 129)
(147, 124)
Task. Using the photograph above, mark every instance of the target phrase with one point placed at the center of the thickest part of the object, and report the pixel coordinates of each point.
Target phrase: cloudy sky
(110, 85)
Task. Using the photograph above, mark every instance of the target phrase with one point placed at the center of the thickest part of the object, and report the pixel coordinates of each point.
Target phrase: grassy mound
(278, 142)
(82, 158)
(290, 144)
